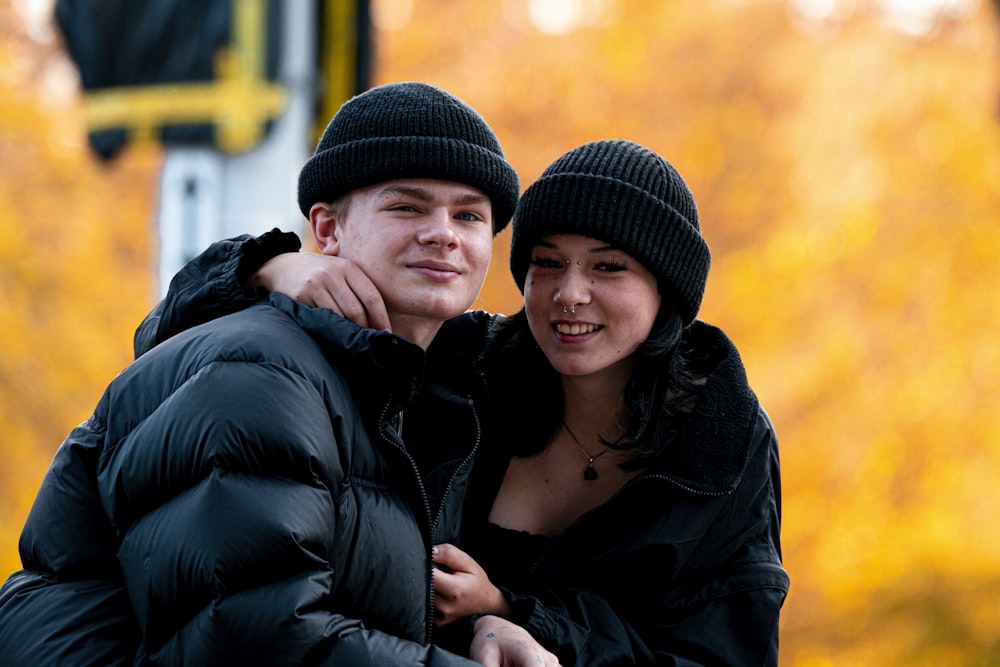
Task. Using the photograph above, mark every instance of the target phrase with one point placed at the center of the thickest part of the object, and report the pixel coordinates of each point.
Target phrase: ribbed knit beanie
(628, 196)
(408, 130)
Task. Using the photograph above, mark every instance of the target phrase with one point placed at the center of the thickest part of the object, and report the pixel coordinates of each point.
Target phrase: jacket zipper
(383, 420)
(432, 521)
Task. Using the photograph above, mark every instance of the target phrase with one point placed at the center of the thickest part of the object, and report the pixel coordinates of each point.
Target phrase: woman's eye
(612, 266)
(546, 263)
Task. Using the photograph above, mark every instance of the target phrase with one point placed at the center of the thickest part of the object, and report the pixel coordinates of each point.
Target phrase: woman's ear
(325, 221)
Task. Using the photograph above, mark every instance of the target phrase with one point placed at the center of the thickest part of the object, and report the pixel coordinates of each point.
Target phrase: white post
(206, 195)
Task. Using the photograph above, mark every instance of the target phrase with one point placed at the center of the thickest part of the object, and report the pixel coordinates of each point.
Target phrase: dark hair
(658, 396)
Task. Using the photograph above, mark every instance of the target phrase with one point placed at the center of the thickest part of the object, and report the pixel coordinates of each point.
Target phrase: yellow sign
(238, 102)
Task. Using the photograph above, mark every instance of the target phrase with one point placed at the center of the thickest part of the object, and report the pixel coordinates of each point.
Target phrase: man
(266, 488)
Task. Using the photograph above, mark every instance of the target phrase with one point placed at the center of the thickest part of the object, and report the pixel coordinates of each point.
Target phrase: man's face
(425, 243)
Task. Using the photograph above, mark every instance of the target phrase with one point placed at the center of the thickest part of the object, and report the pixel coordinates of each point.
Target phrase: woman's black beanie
(408, 130)
(628, 196)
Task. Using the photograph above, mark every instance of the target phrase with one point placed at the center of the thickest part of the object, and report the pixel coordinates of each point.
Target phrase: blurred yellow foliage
(848, 178)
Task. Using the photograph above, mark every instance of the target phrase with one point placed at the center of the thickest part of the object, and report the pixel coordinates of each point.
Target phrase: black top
(507, 555)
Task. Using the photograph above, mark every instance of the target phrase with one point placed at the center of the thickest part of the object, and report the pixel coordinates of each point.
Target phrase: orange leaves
(848, 180)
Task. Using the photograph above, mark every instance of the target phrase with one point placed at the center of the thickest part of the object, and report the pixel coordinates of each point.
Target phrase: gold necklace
(589, 473)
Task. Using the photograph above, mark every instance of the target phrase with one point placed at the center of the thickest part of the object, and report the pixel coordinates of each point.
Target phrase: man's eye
(469, 216)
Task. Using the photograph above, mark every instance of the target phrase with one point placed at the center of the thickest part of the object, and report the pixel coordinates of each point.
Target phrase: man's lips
(436, 269)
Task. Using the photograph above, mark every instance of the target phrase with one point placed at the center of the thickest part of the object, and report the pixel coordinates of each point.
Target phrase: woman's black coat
(682, 566)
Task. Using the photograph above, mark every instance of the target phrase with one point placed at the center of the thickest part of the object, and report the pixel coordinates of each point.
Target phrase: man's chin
(431, 309)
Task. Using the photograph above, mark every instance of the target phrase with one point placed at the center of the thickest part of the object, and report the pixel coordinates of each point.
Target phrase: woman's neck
(595, 405)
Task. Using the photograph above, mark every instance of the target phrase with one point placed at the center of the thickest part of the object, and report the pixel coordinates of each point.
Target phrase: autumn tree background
(846, 161)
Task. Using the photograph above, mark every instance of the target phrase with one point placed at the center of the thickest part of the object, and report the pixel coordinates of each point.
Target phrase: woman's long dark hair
(527, 392)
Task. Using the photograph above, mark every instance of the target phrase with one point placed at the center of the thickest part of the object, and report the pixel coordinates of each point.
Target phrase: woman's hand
(498, 642)
(324, 281)
(461, 587)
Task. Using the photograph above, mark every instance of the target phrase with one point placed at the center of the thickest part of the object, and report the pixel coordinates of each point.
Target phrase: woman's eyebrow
(595, 249)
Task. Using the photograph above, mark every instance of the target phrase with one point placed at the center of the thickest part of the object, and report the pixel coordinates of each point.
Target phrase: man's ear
(325, 222)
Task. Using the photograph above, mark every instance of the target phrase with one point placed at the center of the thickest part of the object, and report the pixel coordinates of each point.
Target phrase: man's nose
(438, 228)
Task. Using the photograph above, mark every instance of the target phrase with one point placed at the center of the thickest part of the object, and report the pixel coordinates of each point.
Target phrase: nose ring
(557, 299)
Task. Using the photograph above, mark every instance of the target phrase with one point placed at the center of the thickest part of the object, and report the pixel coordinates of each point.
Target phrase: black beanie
(408, 130)
(629, 197)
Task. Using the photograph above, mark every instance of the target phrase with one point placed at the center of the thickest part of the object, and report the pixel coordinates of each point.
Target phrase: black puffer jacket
(225, 503)
(682, 567)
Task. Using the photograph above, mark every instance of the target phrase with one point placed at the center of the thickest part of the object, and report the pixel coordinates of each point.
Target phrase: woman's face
(589, 305)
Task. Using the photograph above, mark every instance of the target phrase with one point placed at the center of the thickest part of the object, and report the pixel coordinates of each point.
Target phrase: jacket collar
(375, 363)
(455, 358)
(713, 452)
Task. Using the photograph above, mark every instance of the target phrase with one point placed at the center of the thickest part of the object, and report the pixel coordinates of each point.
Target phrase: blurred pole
(206, 195)
(236, 91)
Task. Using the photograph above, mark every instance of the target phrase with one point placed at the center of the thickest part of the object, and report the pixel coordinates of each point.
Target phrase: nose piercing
(558, 298)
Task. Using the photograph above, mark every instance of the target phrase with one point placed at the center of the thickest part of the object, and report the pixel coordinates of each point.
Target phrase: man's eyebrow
(464, 199)
(407, 190)
(471, 198)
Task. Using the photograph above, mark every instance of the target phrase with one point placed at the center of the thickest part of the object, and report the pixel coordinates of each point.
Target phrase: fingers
(445, 584)
(324, 281)
(339, 298)
(352, 296)
(497, 642)
(369, 299)
(452, 558)
(347, 291)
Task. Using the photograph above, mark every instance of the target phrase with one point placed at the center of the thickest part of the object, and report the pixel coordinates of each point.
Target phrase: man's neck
(418, 330)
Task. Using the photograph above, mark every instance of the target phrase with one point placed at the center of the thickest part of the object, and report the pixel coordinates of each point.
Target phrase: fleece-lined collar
(712, 454)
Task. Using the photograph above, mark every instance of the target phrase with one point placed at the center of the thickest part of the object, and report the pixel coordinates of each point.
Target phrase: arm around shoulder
(211, 285)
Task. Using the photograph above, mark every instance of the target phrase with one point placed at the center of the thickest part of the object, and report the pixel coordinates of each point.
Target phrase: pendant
(590, 474)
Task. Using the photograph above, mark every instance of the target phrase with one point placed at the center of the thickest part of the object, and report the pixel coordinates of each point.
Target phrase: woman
(627, 510)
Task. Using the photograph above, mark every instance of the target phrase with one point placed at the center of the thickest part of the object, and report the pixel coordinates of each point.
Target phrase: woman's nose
(574, 287)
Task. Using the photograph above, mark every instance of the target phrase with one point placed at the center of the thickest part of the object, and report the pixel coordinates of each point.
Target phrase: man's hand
(498, 642)
(324, 281)
(461, 587)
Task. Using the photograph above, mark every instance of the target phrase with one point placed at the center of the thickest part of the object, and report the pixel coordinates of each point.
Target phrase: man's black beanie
(408, 130)
(628, 196)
